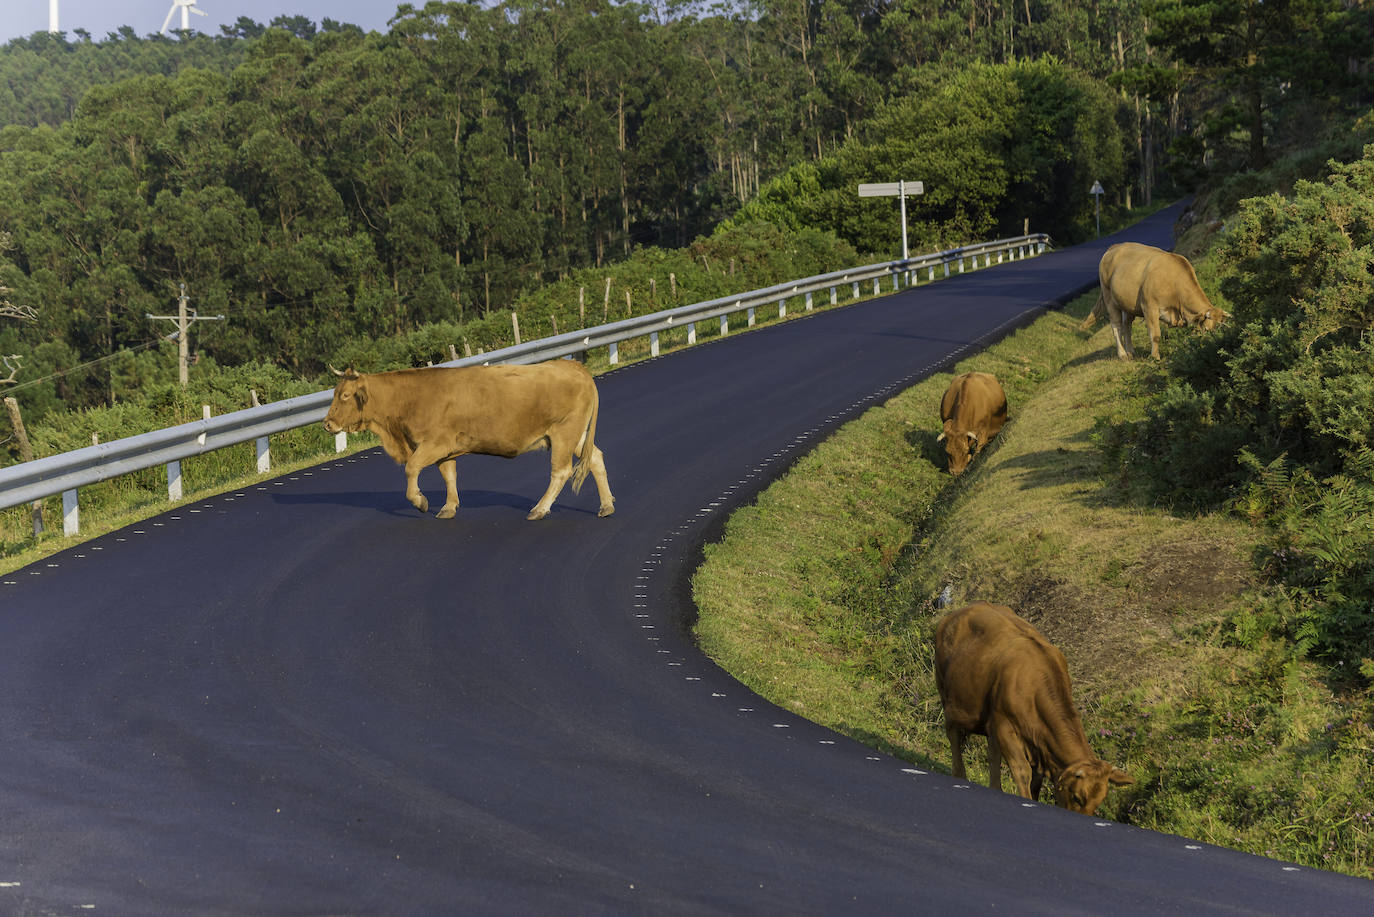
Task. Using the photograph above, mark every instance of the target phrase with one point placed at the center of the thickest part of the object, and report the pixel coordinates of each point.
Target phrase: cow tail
(1099, 312)
(584, 458)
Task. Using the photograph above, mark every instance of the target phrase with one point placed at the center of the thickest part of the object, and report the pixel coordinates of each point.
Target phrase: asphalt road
(306, 698)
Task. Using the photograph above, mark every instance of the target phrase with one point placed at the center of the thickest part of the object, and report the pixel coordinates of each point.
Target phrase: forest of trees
(321, 185)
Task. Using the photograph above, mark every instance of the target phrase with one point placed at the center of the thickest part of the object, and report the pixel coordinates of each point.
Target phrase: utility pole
(183, 320)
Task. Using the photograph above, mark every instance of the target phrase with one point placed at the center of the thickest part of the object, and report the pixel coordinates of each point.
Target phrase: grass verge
(1236, 742)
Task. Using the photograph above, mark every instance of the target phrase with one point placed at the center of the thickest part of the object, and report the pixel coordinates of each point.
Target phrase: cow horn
(333, 370)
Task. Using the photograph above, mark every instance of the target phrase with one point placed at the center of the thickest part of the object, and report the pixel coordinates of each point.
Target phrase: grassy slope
(1241, 747)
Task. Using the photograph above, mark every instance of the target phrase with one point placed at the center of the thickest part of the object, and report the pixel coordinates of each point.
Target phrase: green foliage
(1262, 60)
(1321, 552)
(733, 260)
(994, 145)
(321, 185)
(1272, 413)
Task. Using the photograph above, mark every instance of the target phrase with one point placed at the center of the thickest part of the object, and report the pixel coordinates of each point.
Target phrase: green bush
(1322, 553)
(1273, 413)
(994, 144)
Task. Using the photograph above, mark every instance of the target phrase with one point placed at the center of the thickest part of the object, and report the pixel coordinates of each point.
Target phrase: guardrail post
(264, 454)
(691, 333)
(751, 316)
(877, 285)
(173, 481)
(653, 343)
(613, 354)
(340, 441)
(782, 307)
(834, 297)
(856, 289)
(71, 514)
(808, 302)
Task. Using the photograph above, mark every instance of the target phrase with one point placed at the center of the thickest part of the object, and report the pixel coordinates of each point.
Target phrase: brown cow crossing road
(307, 698)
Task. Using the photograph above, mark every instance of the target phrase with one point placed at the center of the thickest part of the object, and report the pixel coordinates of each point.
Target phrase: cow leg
(419, 459)
(603, 486)
(413, 494)
(1018, 760)
(956, 751)
(994, 760)
(560, 469)
(449, 469)
(1037, 781)
(1121, 329)
(1152, 323)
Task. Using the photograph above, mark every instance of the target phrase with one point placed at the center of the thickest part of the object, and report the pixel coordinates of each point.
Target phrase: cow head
(1210, 319)
(350, 395)
(959, 448)
(1083, 786)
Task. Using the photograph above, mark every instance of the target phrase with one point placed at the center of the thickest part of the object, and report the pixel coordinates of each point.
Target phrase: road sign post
(1097, 193)
(899, 189)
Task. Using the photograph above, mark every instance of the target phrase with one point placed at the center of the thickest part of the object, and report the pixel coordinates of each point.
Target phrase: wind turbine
(186, 6)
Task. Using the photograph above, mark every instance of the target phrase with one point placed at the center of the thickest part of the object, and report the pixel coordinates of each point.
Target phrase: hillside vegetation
(1195, 535)
(320, 187)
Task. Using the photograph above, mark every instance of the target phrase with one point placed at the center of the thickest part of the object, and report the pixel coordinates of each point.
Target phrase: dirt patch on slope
(1119, 631)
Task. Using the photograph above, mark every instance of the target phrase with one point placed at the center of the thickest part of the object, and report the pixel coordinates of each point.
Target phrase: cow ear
(972, 440)
(1119, 777)
(360, 394)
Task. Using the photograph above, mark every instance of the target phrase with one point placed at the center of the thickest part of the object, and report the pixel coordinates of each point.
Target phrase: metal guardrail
(69, 471)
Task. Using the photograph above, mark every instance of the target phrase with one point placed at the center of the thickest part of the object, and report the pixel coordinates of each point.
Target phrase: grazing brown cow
(973, 410)
(1143, 281)
(999, 677)
(432, 416)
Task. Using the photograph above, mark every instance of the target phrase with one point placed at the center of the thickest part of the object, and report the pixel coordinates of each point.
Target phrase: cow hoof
(446, 513)
(536, 513)
(421, 504)
(606, 510)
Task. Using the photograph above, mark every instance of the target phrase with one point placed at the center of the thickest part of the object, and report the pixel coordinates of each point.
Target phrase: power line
(88, 364)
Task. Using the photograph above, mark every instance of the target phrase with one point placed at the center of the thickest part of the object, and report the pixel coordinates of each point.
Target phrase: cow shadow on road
(394, 503)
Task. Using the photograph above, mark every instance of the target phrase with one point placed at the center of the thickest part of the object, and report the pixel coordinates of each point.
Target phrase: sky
(21, 18)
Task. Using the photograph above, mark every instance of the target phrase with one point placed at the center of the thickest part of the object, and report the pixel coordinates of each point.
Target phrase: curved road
(304, 698)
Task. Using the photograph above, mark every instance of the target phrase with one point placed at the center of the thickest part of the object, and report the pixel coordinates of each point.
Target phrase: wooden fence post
(26, 454)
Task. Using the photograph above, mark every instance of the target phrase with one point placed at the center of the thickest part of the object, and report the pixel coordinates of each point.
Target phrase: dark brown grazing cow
(432, 416)
(999, 677)
(973, 410)
(1142, 281)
